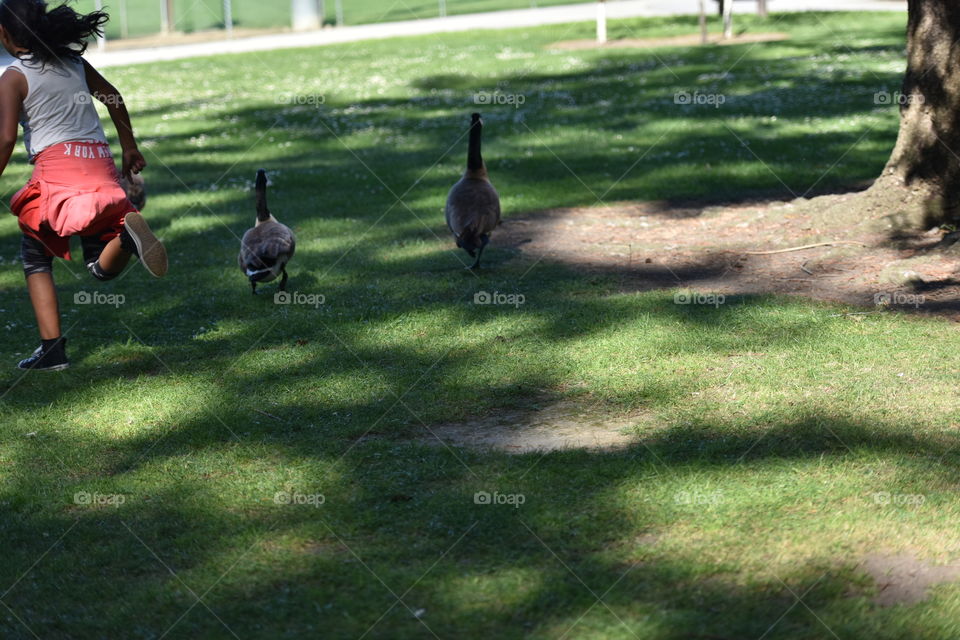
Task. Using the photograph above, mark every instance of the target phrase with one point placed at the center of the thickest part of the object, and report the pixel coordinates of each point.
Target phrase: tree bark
(926, 158)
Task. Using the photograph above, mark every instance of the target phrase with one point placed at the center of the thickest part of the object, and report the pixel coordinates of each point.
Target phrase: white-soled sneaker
(53, 359)
(152, 254)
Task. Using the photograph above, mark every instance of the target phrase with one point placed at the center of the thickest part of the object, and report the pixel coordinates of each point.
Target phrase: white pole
(306, 15)
(124, 22)
(443, 8)
(102, 38)
(339, 13)
(727, 19)
(228, 17)
(164, 18)
(601, 21)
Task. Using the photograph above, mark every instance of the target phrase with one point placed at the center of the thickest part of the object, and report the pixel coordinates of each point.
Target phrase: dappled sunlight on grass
(279, 460)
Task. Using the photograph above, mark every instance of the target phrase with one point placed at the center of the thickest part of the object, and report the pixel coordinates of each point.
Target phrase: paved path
(493, 20)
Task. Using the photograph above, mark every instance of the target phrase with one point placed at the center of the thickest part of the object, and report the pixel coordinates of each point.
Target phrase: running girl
(75, 189)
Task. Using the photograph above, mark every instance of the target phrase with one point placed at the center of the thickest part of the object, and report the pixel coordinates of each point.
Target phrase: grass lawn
(143, 16)
(138, 489)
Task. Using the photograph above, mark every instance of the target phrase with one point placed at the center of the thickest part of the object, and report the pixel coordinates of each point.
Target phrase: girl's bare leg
(114, 259)
(43, 297)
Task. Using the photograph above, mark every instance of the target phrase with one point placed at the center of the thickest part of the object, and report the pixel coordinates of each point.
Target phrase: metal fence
(147, 18)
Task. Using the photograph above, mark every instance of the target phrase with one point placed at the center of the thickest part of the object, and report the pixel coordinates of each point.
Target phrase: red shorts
(74, 191)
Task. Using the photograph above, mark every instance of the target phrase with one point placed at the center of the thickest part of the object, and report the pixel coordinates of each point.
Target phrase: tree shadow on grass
(569, 556)
(248, 411)
(398, 516)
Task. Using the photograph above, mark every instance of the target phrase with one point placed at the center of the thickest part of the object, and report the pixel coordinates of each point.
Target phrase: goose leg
(476, 264)
(254, 285)
(283, 281)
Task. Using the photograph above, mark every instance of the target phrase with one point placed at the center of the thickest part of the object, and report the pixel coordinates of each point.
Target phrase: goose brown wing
(473, 206)
(277, 243)
(266, 245)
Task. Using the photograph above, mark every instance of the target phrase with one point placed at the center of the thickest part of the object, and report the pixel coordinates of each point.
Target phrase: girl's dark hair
(49, 35)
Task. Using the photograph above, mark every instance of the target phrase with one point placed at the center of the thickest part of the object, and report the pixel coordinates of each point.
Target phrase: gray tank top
(59, 107)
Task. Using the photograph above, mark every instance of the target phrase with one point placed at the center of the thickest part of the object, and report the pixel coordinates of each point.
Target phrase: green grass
(142, 17)
(766, 424)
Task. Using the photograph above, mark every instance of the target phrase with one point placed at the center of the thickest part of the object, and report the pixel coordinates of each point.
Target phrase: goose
(266, 249)
(473, 206)
(136, 190)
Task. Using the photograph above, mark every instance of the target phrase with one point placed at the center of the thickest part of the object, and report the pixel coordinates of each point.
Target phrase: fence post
(228, 17)
(601, 21)
(704, 36)
(306, 15)
(124, 22)
(728, 19)
(166, 17)
(102, 38)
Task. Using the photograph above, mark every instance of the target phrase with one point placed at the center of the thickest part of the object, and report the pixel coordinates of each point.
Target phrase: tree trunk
(926, 158)
(762, 8)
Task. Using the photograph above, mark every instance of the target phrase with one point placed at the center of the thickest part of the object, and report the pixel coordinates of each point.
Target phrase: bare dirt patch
(653, 245)
(552, 427)
(675, 41)
(903, 579)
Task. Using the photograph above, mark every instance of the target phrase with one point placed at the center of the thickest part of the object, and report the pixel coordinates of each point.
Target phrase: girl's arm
(13, 91)
(133, 160)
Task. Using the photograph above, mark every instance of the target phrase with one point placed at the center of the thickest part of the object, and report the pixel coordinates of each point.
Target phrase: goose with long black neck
(473, 205)
(266, 249)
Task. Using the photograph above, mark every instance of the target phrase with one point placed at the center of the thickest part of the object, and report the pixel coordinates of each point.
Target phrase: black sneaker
(140, 241)
(53, 359)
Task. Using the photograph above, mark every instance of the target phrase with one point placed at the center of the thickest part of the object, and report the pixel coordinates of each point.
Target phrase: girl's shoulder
(27, 65)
